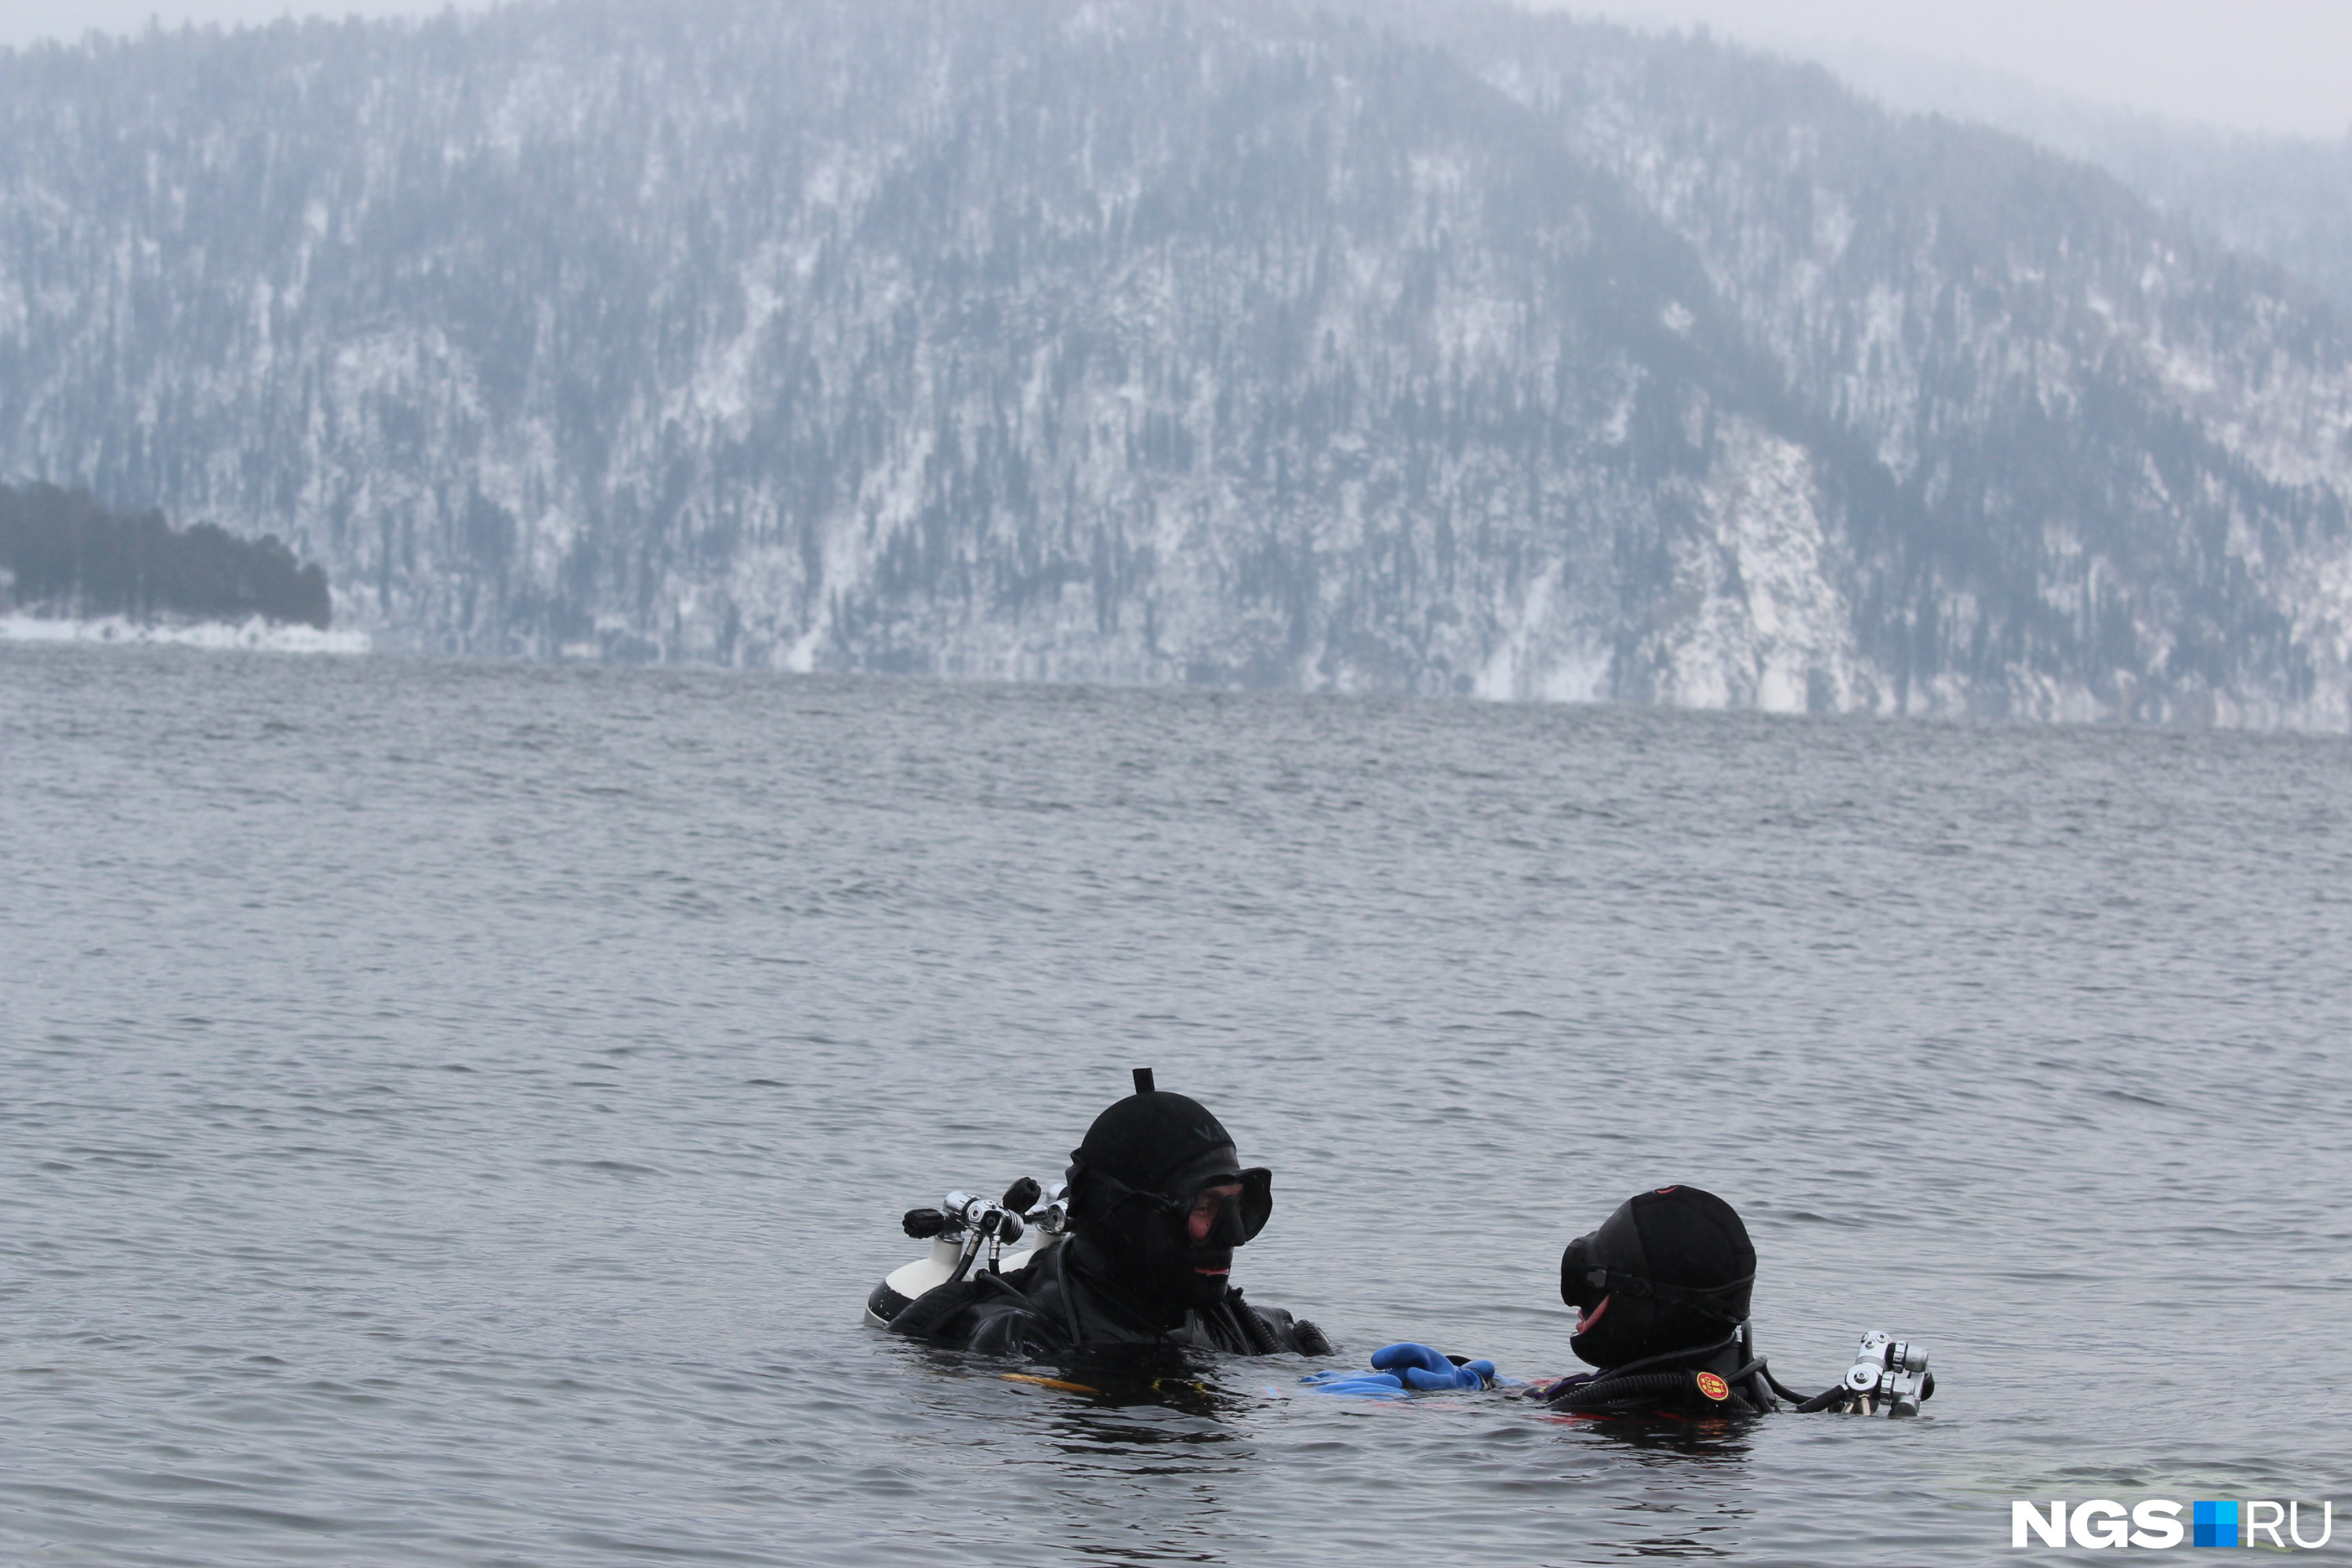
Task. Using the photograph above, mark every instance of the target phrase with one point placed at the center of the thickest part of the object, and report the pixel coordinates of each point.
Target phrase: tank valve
(1889, 1376)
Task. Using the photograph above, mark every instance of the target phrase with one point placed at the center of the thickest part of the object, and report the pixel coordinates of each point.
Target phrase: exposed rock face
(1147, 342)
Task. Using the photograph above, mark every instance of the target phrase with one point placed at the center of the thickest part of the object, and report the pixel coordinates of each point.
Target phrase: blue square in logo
(2214, 1524)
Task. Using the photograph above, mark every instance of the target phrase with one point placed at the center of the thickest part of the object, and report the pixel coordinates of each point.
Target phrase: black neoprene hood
(1146, 1140)
(1676, 1267)
(1133, 1183)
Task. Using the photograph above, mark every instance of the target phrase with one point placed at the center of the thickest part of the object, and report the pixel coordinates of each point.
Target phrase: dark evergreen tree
(62, 553)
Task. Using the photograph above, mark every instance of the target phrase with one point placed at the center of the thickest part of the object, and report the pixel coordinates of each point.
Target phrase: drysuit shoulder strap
(989, 1313)
(930, 1315)
(1269, 1331)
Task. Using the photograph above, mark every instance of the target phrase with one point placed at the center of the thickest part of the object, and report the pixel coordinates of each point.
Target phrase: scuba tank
(1028, 1219)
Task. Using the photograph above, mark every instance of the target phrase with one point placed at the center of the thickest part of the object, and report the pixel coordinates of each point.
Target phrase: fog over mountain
(2285, 198)
(1440, 350)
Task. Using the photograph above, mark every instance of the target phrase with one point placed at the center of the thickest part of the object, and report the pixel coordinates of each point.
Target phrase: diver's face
(1187, 1252)
(1207, 1205)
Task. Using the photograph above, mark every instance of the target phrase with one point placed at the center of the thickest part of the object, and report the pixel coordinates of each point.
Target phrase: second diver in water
(1661, 1291)
(1159, 1202)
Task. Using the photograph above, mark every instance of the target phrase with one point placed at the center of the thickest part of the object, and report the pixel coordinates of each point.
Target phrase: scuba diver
(1156, 1204)
(1662, 1290)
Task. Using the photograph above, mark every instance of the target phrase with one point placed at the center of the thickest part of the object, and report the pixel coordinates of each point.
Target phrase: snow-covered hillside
(1444, 351)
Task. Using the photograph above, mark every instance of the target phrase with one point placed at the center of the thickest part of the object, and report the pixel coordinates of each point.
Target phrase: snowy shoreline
(253, 634)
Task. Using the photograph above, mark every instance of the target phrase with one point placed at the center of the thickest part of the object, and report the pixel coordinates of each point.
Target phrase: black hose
(1801, 1402)
(1608, 1390)
(1619, 1390)
(1750, 1379)
(1256, 1333)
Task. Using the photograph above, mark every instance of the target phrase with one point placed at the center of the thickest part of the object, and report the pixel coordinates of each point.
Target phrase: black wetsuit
(1719, 1379)
(1058, 1304)
(1725, 1377)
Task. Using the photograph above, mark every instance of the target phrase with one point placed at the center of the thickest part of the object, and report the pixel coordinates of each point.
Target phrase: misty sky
(2272, 65)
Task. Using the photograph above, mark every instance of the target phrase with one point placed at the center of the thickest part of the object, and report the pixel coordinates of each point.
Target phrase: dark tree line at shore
(66, 553)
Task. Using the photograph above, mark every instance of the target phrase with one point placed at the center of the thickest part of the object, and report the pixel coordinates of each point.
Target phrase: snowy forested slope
(1443, 350)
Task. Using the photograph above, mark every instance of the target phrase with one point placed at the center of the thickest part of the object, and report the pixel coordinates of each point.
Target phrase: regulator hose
(1619, 1390)
(1256, 1331)
(1607, 1390)
(1802, 1405)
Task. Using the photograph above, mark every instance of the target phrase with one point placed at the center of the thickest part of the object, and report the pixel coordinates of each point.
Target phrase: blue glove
(1400, 1370)
(1426, 1369)
(1356, 1384)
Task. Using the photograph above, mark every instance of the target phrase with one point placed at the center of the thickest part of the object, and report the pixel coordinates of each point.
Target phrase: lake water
(453, 1114)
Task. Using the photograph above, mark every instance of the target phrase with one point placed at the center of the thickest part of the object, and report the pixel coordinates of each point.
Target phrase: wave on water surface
(740, 968)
